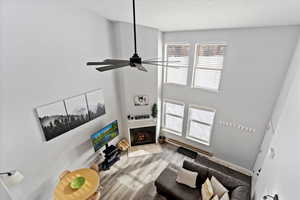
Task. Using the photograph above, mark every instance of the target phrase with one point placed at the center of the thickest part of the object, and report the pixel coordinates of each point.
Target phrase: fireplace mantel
(141, 122)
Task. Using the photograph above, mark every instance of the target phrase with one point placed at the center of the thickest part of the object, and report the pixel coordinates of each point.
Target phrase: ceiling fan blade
(108, 62)
(96, 63)
(110, 67)
(115, 61)
(141, 67)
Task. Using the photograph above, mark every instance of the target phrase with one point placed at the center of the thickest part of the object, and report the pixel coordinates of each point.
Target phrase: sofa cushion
(240, 193)
(187, 177)
(201, 170)
(218, 187)
(206, 190)
(168, 187)
(229, 182)
(204, 161)
(225, 196)
(215, 197)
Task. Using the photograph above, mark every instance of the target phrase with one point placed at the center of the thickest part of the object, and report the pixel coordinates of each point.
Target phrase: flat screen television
(105, 135)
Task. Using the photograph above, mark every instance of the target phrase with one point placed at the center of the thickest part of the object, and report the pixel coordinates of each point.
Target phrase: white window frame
(207, 143)
(195, 67)
(164, 118)
(166, 66)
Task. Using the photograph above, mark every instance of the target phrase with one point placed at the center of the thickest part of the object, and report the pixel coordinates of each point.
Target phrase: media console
(112, 155)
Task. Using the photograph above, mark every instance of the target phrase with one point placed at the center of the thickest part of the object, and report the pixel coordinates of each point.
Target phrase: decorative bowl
(77, 183)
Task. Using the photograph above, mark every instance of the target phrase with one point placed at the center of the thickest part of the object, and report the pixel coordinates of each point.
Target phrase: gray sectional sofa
(239, 185)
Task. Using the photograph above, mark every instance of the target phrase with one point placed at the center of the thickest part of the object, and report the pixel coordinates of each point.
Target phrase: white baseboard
(231, 165)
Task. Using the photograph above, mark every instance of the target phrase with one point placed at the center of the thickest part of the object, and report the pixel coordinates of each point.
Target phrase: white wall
(1, 80)
(131, 81)
(44, 48)
(256, 62)
(280, 175)
(3, 192)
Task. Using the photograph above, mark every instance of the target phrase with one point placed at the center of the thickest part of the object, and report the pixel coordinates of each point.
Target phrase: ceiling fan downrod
(135, 58)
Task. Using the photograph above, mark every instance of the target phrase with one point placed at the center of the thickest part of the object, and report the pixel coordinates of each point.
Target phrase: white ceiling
(171, 15)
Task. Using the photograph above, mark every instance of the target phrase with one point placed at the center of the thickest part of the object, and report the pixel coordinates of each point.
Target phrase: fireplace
(142, 135)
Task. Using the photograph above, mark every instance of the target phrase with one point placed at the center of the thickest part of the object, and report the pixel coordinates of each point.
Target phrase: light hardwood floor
(133, 178)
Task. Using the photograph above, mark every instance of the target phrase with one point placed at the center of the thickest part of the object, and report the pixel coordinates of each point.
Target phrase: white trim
(175, 84)
(181, 103)
(207, 89)
(232, 166)
(171, 131)
(197, 140)
(203, 108)
(212, 43)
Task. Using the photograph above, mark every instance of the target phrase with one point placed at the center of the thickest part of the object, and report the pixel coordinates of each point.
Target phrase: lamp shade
(15, 178)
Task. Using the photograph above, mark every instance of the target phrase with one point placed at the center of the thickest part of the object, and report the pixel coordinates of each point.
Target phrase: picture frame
(53, 119)
(141, 100)
(96, 103)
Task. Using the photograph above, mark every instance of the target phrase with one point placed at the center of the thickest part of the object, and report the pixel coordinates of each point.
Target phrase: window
(173, 116)
(200, 123)
(208, 66)
(176, 72)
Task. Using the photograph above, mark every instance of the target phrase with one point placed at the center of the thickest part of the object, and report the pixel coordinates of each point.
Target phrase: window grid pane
(200, 131)
(200, 124)
(173, 116)
(175, 109)
(173, 123)
(176, 75)
(209, 79)
(200, 115)
(179, 53)
(210, 62)
(209, 65)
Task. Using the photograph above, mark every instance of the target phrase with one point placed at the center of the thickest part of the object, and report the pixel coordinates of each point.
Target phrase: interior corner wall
(159, 81)
(44, 49)
(133, 82)
(3, 192)
(255, 64)
(280, 170)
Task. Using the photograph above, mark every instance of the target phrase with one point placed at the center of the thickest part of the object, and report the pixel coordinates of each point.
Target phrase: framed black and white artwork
(141, 100)
(96, 105)
(77, 111)
(53, 119)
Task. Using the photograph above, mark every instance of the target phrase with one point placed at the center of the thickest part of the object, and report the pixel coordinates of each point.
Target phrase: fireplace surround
(142, 135)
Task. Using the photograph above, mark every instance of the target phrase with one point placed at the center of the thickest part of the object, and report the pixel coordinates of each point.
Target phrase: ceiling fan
(135, 61)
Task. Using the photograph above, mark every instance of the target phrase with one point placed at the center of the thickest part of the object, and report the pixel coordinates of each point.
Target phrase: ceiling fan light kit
(135, 61)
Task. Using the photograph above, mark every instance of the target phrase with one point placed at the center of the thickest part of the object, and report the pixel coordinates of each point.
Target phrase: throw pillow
(225, 196)
(218, 188)
(187, 177)
(207, 190)
(215, 197)
(196, 167)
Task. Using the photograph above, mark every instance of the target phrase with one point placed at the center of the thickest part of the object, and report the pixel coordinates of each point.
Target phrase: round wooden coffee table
(63, 191)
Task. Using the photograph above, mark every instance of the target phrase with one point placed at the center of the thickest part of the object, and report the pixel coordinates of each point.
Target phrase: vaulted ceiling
(170, 15)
